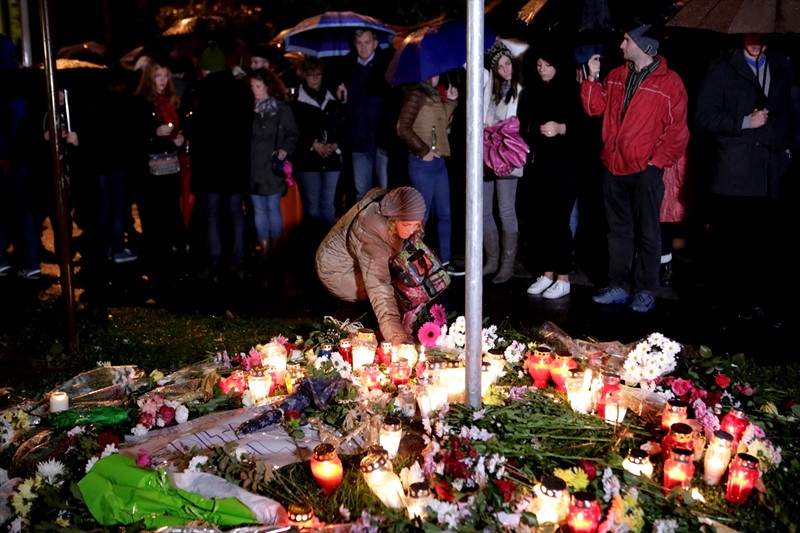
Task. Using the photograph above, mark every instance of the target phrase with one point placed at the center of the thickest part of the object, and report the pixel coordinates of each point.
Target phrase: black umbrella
(88, 51)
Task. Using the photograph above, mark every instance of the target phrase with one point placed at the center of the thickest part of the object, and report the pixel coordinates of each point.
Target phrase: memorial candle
(584, 513)
(539, 363)
(718, 455)
(674, 412)
(59, 401)
(326, 467)
(742, 476)
(678, 469)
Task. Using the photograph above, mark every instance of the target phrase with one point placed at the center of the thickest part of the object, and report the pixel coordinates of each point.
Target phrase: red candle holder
(399, 371)
(680, 436)
(539, 363)
(326, 467)
(346, 350)
(371, 376)
(559, 371)
(735, 423)
(584, 513)
(742, 476)
(383, 355)
(674, 413)
(610, 384)
(678, 470)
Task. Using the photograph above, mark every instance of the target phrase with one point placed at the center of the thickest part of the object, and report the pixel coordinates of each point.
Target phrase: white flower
(194, 464)
(77, 430)
(110, 449)
(514, 352)
(90, 463)
(611, 485)
(480, 413)
(239, 452)
(665, 525)
(248, 399)
(181, 414)
(139, 430)
(344, 512)
(51, 470)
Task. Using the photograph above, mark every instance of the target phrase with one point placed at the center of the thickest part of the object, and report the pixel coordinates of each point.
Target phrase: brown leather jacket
(423, 111)
(357, 268)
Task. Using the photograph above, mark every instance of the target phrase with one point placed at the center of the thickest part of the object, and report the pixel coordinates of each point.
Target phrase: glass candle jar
(579, 393)
(559, 370)
(346, 350)
(417, 501)
(742, 477)
(399, 371)
(370, 375)
(539, 363)
(294, 373)
(59, 401)
(383, 355)
(300, 515)
(259, 383)
(615, 408)
(364, 346)
(551, 504)
(422, 365)
(674, 412)
(584, 513)
(638, 463)
(326, 467)
(610, 384)
(735, 423)
(382, 480)
(680, 436)
(408, 352)
(717, 457)
(678, 470)
(406, 401)
(391, 434)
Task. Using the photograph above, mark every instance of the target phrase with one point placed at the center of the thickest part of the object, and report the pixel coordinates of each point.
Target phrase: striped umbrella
(331, 33)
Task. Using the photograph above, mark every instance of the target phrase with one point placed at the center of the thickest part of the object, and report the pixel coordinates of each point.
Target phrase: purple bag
(503, 148)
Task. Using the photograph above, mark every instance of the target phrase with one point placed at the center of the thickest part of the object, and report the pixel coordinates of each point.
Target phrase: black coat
(750, 162)
(324, 123)
(270, 134)
(218, 123)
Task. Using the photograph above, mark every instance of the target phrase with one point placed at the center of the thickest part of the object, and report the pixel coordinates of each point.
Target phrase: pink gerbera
(428, 334)
(439, 315)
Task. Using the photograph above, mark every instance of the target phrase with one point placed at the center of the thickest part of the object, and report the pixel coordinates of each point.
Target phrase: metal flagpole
(474, 209)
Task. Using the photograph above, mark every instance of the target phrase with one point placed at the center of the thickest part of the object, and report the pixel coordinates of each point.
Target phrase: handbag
(163, 158)
(418, 275)
(504, 149)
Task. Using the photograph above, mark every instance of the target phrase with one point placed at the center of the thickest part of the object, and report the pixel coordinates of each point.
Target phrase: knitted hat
(497, 50)
(648, 45)
(212, 59)
(403, 203)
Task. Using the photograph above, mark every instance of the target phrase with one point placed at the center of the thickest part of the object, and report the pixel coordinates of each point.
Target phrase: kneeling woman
(353, 260)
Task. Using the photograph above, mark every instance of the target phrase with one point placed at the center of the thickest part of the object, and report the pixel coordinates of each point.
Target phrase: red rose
(681, 386)
(146, 420)
(589, 468)
(167, 414)
(714, 398)
(104, 439)
(723, 381)
(507, 489)
(291, 414)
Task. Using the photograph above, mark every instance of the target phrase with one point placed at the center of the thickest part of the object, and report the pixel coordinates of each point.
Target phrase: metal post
(25, 30)
(474, 238)
(62, 225)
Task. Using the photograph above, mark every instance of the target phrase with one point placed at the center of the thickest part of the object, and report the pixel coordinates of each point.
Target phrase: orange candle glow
(326, 467)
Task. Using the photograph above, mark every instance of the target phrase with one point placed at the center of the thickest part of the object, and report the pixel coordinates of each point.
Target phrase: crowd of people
(211, 156)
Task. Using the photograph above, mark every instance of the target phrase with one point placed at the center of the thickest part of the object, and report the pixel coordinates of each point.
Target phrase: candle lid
(419, 490)
(723, 435)
(326, 347)
(300, 512)
(748, 460)
(392, 423)
(324, 452)
(377, 449)
(638, 456)
(677, 404)
(584, 499)
(435, 363)
(372, 462)
(563, 357)
(496, 353)
(552, 485)
(680, 429)
(680, 455)
(366, 334)
(543, 348)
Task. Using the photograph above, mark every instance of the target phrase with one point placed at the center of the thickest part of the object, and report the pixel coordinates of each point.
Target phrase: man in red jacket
(643, 105)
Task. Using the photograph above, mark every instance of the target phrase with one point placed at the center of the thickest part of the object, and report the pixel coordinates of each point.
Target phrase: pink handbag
(503, 148)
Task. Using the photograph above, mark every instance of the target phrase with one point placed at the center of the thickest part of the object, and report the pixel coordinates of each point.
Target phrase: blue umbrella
(434, 49)
(331, 33)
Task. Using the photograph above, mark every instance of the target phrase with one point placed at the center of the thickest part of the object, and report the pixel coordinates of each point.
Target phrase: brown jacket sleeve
(413, 102)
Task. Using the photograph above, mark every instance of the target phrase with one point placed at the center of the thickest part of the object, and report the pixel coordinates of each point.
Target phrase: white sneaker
(539, 286)
(556, 290)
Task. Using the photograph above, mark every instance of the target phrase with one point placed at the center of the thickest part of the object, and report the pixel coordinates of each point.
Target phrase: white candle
(615, 413)
(713, 469)
(362, 356)
(59, 401)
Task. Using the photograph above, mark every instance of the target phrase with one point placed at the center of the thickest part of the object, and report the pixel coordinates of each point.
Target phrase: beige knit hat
(403, 203)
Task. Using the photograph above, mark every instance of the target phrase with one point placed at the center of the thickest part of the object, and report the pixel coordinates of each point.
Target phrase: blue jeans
(232, 203)
(318, 194)
(114, 209)
(369, 167)
(267, 216)
(633, 205)
(430, 178)
(17, 214)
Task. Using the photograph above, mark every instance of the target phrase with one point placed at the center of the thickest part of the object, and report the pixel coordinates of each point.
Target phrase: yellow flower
(63, 522)
(770, 408)
(575, 477)
(156, 375)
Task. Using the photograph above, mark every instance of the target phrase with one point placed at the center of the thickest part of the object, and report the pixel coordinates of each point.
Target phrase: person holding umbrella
(423, 124)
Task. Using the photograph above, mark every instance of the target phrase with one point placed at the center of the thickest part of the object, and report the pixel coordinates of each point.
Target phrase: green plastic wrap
(99, 416)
